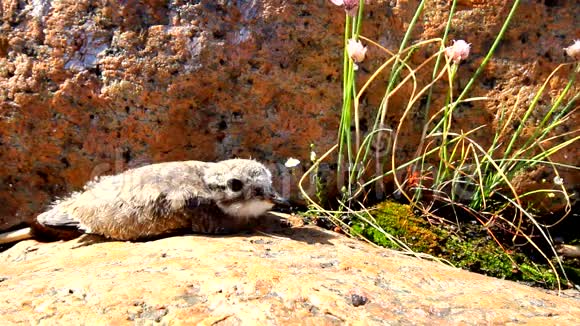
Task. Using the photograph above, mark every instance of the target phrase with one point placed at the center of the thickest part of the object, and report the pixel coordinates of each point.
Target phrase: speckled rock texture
(299, 276)
(95, 87)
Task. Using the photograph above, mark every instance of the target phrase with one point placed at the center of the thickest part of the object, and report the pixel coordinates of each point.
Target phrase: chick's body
(152, 200)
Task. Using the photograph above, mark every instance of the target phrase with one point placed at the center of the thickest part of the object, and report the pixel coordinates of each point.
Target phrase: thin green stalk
(496, 139)
(354, 175)
(395, 71)
(558, 102)
(479, 197)
(403, 45)
(486, 59)
(527, 114)
(361, 7)
(352, 30)
(381, 113)
(416, 159)
(435, 69)
(446, 120)
(541, 132)
(549, 152)
(490, 52)
(519, 160)
(437, 62)
(342, 138)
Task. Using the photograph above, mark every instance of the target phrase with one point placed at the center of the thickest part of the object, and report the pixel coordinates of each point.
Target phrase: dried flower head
(356, 51)
(574, 50)
(350, 6)
(292, 163)
(458, 51)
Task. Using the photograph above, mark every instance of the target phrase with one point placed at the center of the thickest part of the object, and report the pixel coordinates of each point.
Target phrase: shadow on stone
(269, 225)
(309, 235)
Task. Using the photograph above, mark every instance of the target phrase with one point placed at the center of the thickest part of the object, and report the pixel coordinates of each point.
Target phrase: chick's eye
(235, 185)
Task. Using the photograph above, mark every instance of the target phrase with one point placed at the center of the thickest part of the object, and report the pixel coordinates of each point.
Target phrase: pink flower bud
(356, 51)
(350, 6)
(458, 51)
(574, 50)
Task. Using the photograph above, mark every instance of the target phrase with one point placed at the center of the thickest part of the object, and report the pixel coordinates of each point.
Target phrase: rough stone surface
(93, 87)
(302, 276)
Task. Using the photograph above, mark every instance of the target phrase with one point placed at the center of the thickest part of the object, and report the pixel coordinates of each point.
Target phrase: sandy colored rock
(95, 87)
(303, 276)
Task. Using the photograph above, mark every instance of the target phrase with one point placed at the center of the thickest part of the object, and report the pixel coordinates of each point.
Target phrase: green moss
(399, 221)
(531, 272)
(471, 247)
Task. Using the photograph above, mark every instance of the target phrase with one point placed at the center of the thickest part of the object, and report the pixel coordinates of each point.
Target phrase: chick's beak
(276, 199)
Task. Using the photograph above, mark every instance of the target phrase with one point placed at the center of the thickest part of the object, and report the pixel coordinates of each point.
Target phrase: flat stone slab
(303, 275)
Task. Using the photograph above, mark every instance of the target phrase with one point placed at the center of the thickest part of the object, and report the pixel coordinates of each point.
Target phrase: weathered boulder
(300, 276)
(94, 87)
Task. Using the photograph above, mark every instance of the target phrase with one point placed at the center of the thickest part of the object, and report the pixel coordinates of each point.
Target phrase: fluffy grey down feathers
(222, 197)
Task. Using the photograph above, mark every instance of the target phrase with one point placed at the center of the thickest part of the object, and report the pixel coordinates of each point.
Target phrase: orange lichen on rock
(89, 88)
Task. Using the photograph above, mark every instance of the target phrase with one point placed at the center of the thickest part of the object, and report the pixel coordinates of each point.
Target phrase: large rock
(300, 276)
(94, 87)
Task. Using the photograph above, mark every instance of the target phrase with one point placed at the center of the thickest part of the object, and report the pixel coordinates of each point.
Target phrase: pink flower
(350, 6)
(356, 51)
(574, 50)
(458, 51)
